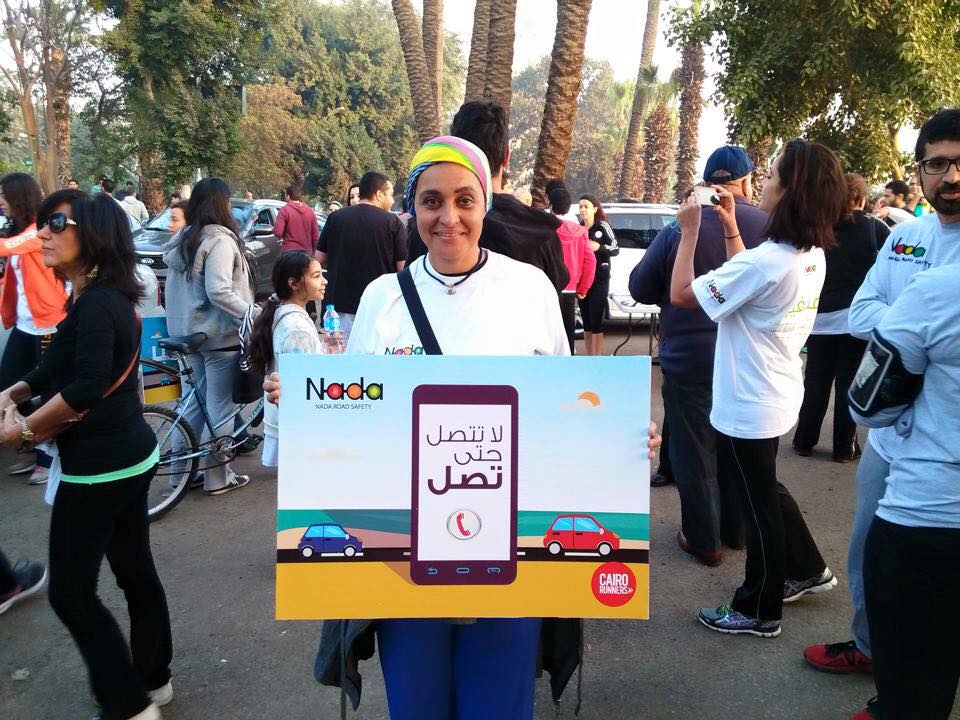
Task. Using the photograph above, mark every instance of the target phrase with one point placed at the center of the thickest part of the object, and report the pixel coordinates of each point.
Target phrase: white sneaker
(162, 695)
(236, 483)
(150, 712)
(39, 476)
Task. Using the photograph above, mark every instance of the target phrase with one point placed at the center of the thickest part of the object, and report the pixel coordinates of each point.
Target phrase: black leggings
(88, 522)
(912, 588)
(22, 354)
(568, 311)
(779, 545)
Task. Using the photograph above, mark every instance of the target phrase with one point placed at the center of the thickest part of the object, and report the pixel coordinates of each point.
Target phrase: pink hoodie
(580, 261)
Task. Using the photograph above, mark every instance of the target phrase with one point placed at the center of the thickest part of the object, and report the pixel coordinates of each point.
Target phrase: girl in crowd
(284, 326)
(430, 666)
(765, 301)
(603, 243)
(208, 290)
(32, 299)
(353, 194)
(107, 455)
(178, 217)
(833, 354)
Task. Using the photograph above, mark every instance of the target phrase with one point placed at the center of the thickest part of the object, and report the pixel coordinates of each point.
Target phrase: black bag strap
(417, 313)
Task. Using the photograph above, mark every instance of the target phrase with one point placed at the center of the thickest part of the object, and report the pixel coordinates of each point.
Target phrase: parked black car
(255, 218)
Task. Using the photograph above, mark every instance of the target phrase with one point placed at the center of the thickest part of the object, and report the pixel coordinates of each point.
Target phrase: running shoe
(796, 589)
(869, 712)
(30, 577)
(236, 483)
(24, 465)
(727, 620)
(39, 476)
(840, 658)
(162, 695)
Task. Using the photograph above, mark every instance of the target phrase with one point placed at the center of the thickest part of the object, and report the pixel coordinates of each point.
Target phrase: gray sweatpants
(213, 371)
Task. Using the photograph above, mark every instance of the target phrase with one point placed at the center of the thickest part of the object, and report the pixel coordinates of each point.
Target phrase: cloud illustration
(332, 455)
(579, 406)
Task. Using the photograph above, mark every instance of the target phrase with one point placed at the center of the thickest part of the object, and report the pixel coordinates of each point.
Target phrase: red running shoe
(841, 658)
(868, 713)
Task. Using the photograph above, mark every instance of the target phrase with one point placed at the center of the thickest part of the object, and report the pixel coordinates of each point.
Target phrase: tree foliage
(848, 72)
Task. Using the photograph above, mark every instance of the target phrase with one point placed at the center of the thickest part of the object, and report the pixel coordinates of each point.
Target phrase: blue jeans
(438, 670)
(871, 481)
(213, 372)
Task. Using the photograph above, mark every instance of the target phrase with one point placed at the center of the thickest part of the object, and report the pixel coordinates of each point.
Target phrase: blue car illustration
(328, 538)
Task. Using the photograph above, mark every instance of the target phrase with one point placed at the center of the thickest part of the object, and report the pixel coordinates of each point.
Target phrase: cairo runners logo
(614, 584)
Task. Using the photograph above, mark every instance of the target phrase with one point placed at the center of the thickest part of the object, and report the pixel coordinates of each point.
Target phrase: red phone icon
(460, 527)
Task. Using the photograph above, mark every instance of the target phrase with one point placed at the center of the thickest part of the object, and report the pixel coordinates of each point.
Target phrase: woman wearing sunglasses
(32, 299)
(107, 455)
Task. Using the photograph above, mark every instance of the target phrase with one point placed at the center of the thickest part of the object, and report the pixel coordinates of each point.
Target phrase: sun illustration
(590, 397)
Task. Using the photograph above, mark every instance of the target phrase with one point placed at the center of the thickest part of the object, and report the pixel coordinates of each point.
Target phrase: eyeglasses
(939, 166)
(58, 222)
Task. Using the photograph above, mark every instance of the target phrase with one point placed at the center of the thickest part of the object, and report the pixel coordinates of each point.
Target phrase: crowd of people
(817, 266)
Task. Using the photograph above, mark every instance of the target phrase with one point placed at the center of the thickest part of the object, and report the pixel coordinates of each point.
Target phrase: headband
(453, 150)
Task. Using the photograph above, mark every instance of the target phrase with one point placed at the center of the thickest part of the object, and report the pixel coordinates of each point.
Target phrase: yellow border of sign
(309, 591)
(161, 393)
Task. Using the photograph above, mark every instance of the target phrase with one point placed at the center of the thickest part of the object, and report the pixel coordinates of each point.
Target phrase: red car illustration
(579, 532)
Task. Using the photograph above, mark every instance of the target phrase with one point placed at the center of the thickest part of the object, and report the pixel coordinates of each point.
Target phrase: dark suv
(255, 218)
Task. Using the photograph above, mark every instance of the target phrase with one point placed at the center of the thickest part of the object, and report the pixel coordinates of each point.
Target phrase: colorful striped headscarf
(448, 149)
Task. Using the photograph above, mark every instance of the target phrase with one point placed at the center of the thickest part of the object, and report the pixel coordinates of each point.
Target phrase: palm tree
(759, 152)
(659, 133)
(499, 77)
(691, 107)
(631, 168)
(477, 65)
(563, 88)
(425, 115)
(433, 48)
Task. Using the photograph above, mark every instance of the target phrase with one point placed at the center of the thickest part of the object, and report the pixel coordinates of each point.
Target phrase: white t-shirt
(765, 301)
(505, 308)
(25, 321)
(923, 489)
(912, 248)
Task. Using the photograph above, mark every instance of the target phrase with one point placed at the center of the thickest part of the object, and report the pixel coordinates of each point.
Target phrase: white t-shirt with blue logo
(912, 247)
(923, 489)
(765, 301)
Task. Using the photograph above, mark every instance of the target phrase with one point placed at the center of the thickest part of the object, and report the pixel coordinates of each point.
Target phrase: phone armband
(882, 381)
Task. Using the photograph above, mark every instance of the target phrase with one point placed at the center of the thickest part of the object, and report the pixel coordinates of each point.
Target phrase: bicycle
(180, 450)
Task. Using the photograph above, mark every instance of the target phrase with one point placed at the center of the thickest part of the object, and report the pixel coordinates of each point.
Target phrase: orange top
(46, 295)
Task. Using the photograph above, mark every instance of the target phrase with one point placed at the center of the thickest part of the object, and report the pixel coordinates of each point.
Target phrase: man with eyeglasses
(929, 241)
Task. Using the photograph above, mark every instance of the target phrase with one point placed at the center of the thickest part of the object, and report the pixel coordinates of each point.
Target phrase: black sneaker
(249, 445)
(796, 589)
(658, 479)
(30, 577)
(727, 620)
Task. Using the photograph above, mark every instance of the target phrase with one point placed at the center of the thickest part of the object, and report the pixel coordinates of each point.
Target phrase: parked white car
(635, 225)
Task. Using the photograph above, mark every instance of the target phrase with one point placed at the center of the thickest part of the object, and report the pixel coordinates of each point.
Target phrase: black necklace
(452, 287)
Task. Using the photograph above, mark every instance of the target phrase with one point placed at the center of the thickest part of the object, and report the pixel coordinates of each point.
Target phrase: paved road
(233, 661)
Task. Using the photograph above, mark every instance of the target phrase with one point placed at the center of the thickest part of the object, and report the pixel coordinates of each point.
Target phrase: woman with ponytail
(284, 326)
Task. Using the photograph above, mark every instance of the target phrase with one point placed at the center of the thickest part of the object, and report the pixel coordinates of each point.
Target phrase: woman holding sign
(474, 302)
(765, 303)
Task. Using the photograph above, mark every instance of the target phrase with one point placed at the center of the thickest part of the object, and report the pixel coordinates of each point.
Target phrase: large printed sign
(463, 487)
(158, 387)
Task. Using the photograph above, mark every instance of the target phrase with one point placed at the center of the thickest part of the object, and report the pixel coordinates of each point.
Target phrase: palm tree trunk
(477, 65)
(433, 48)
(691, 107)
(498, 86)
(893, 133)
(61, 108)
(424, 104)
(632, 166)
(656, 155)
(563, 88)
(759, 153)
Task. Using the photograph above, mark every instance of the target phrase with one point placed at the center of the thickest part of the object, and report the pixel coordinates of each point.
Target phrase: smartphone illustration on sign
(463, 509)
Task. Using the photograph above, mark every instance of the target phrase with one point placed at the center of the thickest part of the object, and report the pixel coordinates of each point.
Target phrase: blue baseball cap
(727, 163)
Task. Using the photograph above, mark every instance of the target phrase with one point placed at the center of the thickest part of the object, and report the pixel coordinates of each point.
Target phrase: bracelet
(731, 237)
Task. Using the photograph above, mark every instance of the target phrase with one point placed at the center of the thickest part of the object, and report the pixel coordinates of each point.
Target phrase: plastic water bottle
(332, 336)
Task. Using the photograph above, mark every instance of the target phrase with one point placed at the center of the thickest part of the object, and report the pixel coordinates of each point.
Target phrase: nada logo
(717, 295)
(408, 350)
(915, 250)
(344, 391)
(614, 584)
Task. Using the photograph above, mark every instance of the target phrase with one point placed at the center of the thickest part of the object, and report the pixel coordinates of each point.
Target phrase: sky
(615, 34)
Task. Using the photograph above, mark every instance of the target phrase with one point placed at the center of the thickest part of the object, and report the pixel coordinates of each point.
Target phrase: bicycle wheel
(175, 438)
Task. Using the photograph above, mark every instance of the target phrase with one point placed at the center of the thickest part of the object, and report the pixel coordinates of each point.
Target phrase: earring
(93, 272)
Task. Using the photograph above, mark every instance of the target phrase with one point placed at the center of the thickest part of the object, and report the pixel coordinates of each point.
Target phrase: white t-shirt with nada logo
(765, 302)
